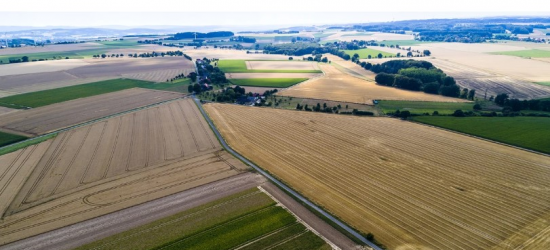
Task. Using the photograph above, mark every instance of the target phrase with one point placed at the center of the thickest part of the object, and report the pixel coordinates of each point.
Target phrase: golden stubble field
(107, 166)
(412, 186)
(336, 85)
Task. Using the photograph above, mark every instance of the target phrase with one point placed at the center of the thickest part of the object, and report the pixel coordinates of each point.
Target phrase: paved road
(120, 221)
(280, 184)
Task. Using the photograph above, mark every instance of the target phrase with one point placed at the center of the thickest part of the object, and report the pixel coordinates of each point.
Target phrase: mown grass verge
(415, 107)
(268, 82)
(51, 96)
(7, 138)
(526, 132)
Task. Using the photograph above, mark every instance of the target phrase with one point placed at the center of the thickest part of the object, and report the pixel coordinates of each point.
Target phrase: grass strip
(306, 241)
(24, 144)
(7, 138)
(418, 107)
(239, 66)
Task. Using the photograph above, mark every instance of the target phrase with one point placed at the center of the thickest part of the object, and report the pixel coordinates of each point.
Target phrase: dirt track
(60, 115)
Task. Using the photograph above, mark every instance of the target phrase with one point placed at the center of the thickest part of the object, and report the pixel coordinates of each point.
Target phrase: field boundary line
(96, 120)
(481, 138)
(299, 219)
(280, 184)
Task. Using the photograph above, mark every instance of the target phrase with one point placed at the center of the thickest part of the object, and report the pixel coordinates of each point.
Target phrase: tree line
(193, 35)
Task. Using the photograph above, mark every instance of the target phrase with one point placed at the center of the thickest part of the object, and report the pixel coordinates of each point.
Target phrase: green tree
(190, 88)
(379, 55)
(477, 107)
(404, 114)
(25, 59)
(471, 94)
(369, 56)
(197, 88)
(426, 52)
(103, 55)
(501, 99)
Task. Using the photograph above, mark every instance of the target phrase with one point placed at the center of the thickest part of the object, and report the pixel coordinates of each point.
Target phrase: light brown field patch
(4, 110)
(339, 86)
(281, 65)
(410, 185)
(231, 54)
(60, 115)
(107, 166)
(50, 48)
(39, 67)
(270, 75)
(159, 75)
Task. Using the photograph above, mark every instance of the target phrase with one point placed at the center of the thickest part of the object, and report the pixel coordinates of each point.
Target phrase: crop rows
(408, 184)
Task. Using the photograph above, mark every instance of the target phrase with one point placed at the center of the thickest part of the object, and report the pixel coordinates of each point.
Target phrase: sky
(136, 13)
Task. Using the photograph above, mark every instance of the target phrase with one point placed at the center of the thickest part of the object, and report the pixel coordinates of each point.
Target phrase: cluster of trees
(515, 105)
(319, 108)
(243, 39)
(143, 55)
(180, 76)
(417, 76)
(111, 55)
(209, 74)
(193, 35)
(316, 58)
(294, 49)
(26, 59)
(229, 94)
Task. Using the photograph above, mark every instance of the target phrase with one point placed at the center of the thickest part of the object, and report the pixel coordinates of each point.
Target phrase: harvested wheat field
(231, 54)
(50, 48)
(270, 75)
(96, 70)
(339, 86)
(281, 65)
(39, 67)
(60, 115)
(412, 186)
(109, 165)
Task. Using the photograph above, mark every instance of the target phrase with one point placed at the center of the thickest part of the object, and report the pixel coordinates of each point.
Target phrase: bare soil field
(39, 67)
(4, 110)
(494, 84)
(270, 75)
(282, 65)
(60, 115)
(96, 70)
(339, 86)
(107, 166)
(410, 185)
(50, 48)
(158, 75)
(231, 54)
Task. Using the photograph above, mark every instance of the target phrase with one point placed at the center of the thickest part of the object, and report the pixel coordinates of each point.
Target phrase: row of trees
(515, 105)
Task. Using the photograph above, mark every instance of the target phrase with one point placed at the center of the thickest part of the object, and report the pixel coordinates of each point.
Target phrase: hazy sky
(249, 12)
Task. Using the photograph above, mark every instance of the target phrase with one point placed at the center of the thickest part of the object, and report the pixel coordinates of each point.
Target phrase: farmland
(424, 107)
(525, 132)
(153, 69)
(339, 86)
(248, 219)
(535, 53)
(60, 115)
(365, 53)
(410, 185)
(241, 66)
(268, 82)
(6, 138)
(122, 161)
(48, 97)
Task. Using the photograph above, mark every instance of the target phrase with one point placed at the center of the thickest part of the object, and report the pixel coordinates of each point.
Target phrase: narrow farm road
(280, 184)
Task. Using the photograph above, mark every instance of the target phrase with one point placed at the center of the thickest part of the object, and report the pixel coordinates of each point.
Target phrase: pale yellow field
(39, 67)
(282, 65)
(412, 186)
(271, 75)
(339, 86)
(109, 165)
(50, 48)
(231, 54)
(159, 75)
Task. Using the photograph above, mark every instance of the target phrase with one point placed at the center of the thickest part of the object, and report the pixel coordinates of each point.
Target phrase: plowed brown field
(412, 186)
(108, 165)
(60, 115)
(336, 85)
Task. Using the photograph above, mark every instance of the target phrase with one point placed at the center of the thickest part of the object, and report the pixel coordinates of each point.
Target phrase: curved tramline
(408, 184)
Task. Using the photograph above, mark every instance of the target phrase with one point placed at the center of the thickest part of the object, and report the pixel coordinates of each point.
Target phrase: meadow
(537, 53)
(268, 82)
(424, 107)
(526, 132)
(51, 96)
(365, 53)
(249, 219)
(239, 66)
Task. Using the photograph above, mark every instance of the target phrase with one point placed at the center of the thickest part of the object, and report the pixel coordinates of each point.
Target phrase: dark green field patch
(51, 96)
(6, 138)
(268, 82)
(424, 107)
(526, 132)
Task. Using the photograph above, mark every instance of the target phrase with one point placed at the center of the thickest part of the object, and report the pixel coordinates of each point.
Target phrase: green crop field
(121, 44)
(268, 82)
(6, 138)
(249, 219)
(321, 35)
(51, 96)
(424, 107)
(14, 147)
(364, 53)
(403, 42)
(526, 53)
(543, 83)
(239, 66)
(527, 132)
